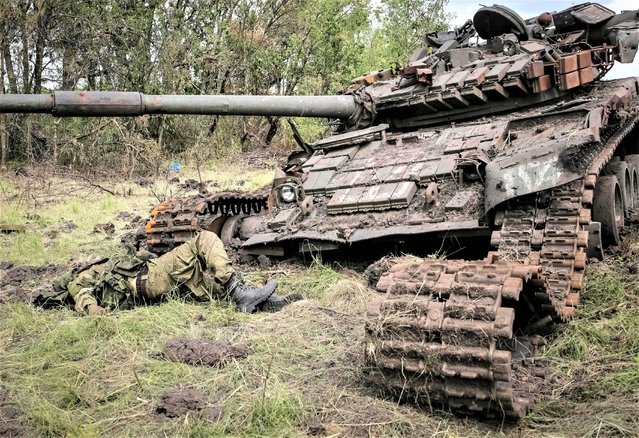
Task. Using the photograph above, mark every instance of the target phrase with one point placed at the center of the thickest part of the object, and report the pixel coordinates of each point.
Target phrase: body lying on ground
(199, 268)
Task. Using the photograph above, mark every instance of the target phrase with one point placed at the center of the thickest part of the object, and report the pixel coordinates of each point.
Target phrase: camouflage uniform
(198, 268)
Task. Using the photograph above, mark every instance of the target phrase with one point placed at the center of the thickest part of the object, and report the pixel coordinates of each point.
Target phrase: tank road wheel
(621, 171)
(607, 208)
(230, 228)
(633, 165)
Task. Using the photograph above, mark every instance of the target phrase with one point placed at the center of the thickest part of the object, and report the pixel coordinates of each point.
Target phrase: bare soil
(200, 352)
(26, 283)
(10, 426)
(179, 402)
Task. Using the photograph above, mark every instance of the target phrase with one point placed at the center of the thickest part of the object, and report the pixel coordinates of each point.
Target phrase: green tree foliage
(400, 29)
(284, 47)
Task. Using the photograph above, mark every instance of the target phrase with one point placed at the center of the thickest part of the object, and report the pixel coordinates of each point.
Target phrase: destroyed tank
(498, 147)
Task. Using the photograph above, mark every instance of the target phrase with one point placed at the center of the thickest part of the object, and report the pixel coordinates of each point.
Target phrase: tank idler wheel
(620, 170)
(607, 208)
(633, 164)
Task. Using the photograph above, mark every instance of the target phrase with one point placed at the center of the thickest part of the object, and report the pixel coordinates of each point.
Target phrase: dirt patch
(199, 352)
(179, 402)
(176, 403)
(107, 228)
(26, 283)
(10, 426)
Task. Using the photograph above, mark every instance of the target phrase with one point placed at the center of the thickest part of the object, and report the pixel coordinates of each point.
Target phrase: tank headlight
(510, 48)
(288, 193)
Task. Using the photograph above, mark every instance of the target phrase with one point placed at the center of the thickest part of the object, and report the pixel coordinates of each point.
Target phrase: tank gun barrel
(115, 103)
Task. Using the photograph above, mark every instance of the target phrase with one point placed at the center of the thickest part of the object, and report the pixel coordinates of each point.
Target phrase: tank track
(449, 333)
(175, 221)
(445, 335)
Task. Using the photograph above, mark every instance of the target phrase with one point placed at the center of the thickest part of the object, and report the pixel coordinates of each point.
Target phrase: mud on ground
(10, 426)
(200, 352)
(179, 402)
(26, 284)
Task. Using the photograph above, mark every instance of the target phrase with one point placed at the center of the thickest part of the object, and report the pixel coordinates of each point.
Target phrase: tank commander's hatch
(496, 20)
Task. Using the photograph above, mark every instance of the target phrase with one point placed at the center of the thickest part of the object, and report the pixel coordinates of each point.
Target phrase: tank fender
(532, 163)
(531, 170)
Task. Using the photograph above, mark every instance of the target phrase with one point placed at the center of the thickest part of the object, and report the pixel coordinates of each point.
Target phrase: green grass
(74, 221)
(594, 386)
(72, 375)
(74, 208)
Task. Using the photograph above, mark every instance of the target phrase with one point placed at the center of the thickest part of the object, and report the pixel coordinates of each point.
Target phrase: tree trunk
(26, 77)
(43, 15)
(68, 68)
(3, 118)
(8, 63)
(161, 132)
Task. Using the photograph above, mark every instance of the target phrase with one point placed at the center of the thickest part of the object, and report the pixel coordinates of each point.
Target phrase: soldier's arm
(81, 289)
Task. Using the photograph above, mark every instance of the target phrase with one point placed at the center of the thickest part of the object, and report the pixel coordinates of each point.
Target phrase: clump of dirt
(375, 271)
(316, 429)
(134, 220)
(107, 228)
(145, 181)
(200, 352)
(136, 223)
(10, 426)
(178, 402)
(264, 262)
(25, 283)
(66, 226)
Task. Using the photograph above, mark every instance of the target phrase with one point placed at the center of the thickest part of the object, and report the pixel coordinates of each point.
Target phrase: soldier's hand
(94, 309)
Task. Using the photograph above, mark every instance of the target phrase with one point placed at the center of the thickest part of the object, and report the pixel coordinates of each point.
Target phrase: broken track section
(445, 335)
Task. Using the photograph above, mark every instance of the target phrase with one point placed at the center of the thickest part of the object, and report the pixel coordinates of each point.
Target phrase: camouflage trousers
(200, 265)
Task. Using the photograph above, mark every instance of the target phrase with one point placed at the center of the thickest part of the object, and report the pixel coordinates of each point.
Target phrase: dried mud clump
(179, 402)
(17, 282)
(176, 403)
(376, 270)
(199, 352)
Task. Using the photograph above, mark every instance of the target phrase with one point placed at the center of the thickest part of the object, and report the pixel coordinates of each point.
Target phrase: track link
(547, 231)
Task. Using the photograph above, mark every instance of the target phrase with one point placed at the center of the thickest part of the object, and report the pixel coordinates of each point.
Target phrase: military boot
(246, 298)
(275, 302)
